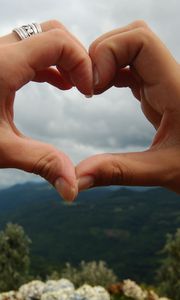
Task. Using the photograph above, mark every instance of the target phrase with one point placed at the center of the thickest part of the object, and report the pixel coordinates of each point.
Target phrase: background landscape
(125, 227)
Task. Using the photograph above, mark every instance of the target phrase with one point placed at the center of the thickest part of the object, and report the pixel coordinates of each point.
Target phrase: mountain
(125, 227)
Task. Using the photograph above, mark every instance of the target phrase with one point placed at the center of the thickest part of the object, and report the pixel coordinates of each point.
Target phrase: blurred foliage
(124, 227)
(14, 257)
(169, 272)
(92, 273)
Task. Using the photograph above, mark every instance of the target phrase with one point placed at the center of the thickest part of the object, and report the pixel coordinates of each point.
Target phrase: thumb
(44, 160)
(146, 168)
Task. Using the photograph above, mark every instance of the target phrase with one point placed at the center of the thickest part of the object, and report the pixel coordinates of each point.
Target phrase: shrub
(14, 257)
(92, 273)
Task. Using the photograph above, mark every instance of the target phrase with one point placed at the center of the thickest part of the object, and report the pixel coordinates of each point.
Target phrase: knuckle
(56, 33)
(139, 24)
(53, 24)
(120, 173)
(58, 37)
(145, 35)
(47, 164)
(99, 48)
(115, 172)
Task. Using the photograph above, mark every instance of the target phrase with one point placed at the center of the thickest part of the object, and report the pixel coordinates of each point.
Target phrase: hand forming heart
(131, 56)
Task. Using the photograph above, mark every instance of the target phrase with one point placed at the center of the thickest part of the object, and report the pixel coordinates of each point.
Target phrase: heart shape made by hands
(131, 56)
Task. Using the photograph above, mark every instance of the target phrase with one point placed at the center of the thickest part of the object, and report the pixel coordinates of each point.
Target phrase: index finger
(54, 47)
(62, 49)
(134, 45)
(45, 26)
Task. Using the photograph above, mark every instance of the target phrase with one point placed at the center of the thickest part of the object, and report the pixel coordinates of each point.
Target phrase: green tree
(14, 257)
(169, 272)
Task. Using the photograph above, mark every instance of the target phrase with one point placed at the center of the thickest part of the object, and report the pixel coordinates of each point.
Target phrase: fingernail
(85, 183)
(88, 96)
(96, 76)
(66, 191)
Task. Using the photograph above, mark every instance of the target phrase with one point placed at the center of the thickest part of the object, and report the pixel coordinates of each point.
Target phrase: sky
(110, 122)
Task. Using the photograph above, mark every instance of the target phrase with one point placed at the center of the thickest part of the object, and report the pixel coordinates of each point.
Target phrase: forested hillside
(124, 227)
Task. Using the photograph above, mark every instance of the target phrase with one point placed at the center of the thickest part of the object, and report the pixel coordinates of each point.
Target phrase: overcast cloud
(111, 122)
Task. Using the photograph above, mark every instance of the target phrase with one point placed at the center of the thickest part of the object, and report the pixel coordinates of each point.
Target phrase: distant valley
(124, 227)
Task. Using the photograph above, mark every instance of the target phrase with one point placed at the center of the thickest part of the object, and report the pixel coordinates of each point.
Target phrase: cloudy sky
(111, 122)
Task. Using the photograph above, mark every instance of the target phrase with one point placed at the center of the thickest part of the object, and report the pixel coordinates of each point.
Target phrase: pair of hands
(133, 57)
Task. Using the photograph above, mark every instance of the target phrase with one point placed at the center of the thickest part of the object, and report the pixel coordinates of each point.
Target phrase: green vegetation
(14, 257)
(169, 273)
(126, 228)
(15, 261)
(92, 273)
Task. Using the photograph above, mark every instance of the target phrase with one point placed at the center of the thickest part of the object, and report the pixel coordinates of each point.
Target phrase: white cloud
(110, 122)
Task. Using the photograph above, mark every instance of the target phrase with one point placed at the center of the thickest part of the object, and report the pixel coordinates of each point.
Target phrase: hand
(31, 59)
(134, 57)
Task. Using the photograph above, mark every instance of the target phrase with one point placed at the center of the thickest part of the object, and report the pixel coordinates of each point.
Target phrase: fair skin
(153, 75)
(32, 59)
(131, 56)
